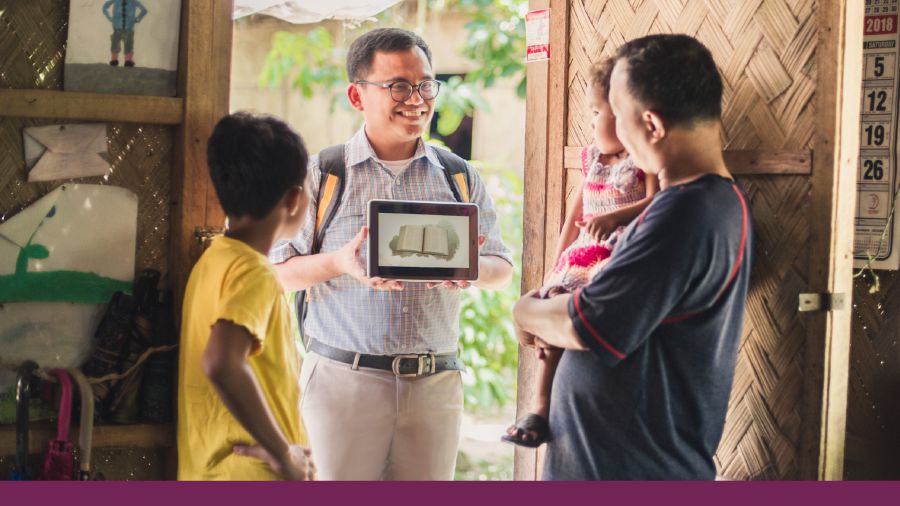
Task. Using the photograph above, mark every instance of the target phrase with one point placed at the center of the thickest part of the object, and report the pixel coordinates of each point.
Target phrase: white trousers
(367, 424)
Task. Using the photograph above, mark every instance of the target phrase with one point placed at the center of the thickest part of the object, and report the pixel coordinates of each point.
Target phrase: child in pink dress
(614, 192)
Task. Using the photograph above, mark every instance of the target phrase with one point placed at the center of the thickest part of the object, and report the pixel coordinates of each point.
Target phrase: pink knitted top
(606, 189)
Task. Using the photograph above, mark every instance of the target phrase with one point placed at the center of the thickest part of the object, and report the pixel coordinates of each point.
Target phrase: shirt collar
(360, 150)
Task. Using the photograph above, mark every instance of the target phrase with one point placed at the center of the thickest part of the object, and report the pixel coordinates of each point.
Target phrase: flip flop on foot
(531, 431)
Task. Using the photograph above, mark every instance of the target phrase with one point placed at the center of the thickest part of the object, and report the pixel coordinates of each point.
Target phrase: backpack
(331, 189)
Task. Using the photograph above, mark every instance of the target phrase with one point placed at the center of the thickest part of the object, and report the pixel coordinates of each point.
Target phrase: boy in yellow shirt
(238, 385)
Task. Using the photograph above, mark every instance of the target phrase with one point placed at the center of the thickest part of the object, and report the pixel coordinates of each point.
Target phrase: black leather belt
(403, 366)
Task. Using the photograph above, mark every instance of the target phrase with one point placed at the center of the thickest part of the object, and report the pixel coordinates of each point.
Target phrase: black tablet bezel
(422, 273)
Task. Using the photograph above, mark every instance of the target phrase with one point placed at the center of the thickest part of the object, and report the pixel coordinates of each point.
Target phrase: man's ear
(655, 126)
(353, 97)
(293, 199)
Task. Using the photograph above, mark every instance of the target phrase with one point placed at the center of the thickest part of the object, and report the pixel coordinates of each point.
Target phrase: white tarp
(312, 11)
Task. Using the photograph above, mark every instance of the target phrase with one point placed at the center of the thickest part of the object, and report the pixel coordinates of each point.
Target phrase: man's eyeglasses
(402, 90)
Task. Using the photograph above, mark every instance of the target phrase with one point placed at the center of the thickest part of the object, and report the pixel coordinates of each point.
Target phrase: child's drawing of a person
(123, 14)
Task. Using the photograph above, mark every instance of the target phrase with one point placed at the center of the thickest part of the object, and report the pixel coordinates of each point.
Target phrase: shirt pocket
(350, 218)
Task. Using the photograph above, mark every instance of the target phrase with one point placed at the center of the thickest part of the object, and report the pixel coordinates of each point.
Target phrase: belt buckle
(420, 370)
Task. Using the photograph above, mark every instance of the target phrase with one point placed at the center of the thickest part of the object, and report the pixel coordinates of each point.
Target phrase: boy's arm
(106, 7)
(225, 364)
(140, 16)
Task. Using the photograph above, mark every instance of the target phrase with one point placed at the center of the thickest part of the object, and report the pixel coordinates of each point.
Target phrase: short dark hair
(675, 76)
(253, 161)
(387, 40)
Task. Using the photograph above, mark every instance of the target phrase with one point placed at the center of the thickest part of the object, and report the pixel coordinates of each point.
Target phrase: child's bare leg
(532, 428)
(546, 369)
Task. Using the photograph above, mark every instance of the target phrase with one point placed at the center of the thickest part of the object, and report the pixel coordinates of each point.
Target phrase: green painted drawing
(55, 286)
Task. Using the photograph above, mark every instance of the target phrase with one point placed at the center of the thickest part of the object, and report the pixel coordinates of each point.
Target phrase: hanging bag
(59, 463)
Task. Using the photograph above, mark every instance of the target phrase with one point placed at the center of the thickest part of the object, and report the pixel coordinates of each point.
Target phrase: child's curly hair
(599, 76)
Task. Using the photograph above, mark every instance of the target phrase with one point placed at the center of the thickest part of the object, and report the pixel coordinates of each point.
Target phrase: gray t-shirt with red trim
(663, 323)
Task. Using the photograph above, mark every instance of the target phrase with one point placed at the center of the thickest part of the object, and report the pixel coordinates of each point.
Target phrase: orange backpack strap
(456, 171)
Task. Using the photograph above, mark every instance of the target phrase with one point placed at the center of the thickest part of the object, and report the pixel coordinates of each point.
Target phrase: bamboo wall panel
(32, 51)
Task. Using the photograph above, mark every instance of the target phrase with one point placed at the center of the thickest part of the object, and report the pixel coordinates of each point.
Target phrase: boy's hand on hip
(348, 262)
(297, 464)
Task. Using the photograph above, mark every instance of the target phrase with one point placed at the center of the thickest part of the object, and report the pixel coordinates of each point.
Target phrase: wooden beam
(741, 163)
(91, 107)
(204, 81)
(104, 436)
(557, 117)
(545, 119)
(836, 145)
(533, 247)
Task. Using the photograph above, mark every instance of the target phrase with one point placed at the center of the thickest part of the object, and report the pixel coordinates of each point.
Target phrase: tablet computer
(422, 241)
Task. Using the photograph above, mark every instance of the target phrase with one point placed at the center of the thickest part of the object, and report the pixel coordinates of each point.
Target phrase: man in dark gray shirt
(642, 390)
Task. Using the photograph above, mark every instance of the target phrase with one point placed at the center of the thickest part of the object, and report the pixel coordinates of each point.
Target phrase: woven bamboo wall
(32, 52)
(765, 50)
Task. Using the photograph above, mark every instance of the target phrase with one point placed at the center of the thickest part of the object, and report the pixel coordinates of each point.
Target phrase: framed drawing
(127, 47)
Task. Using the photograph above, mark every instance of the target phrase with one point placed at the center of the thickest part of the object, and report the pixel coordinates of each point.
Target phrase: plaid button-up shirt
(345, 313)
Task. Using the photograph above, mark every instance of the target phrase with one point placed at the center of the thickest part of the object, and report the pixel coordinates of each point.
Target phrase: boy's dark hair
(253, 161)
(599, 76)
(387, 40)
(675, 76)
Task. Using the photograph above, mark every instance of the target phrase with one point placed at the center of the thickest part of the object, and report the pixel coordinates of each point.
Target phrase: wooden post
(545, 137)
(835, 158)
(204, 75)
(204, 81)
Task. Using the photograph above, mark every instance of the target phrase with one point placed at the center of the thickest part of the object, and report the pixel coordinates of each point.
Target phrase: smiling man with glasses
(365, 420)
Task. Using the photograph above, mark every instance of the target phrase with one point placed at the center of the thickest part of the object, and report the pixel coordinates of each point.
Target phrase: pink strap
(64, 424)
(585, 160)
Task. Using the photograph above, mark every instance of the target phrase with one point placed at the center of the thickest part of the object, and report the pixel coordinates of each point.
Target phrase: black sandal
(532, 424)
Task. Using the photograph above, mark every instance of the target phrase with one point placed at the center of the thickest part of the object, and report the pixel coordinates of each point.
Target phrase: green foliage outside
(488, 344)
(313, 61)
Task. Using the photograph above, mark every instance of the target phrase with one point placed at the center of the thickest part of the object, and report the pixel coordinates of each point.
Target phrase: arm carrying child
(614, 193)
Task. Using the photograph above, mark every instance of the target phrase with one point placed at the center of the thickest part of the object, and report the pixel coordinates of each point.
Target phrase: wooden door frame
(835, 159)
(546, 111)
(833, 207)
(204, 82)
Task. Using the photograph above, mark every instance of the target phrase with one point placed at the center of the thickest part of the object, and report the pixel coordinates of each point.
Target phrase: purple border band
(453, 493)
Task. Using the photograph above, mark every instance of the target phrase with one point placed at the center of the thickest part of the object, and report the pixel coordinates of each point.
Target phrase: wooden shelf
(105, 436)
(91, 106)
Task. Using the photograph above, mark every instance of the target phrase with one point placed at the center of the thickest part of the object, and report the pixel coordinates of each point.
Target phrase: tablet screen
(415, 240)
(423, 240)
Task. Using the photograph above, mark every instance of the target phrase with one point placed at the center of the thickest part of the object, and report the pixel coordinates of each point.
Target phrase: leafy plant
(488, 344)
(311, 61)
(496, 39)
